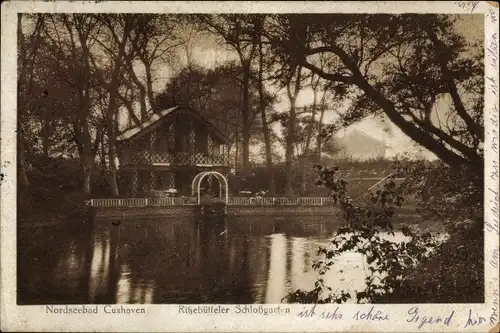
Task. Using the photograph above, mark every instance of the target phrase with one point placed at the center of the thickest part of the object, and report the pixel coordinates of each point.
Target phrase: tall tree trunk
(131, 116)
(290, 137)
(103, 154)
(310, 128)
(144, 108)
(306, 154)
(246, 119)
(142, 92)
(265, 126)
(87, 153)
(25, 76)
(231, 30)
(82, 135)
(87, 178)
(81, 125)
(149, 85)
(112, 154)
(112, 88)
(319, 137)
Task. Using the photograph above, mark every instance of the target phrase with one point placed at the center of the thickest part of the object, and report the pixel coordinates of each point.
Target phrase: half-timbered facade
(168, 150)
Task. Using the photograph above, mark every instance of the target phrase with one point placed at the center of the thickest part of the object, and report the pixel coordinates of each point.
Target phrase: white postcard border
(167, 317)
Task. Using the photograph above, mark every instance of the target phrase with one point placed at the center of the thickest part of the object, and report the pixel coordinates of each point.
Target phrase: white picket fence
(282, 201)
(143, 202)
(192, 201)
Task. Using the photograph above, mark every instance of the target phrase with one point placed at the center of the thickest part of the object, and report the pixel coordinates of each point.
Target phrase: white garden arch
(223, 186)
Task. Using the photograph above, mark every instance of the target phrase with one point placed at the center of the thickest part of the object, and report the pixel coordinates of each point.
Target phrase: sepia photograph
(250, 159)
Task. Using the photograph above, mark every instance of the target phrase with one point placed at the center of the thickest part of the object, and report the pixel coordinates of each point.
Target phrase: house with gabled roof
(166, 151)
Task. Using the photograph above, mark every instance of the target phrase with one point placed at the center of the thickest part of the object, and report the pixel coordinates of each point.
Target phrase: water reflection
(277, 268)
(237, 260)
(99, 271)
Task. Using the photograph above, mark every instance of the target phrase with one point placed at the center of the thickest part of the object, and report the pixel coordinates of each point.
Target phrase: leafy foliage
(54, 191)
(388, 264)
(408, 67)
(421, 268)
(452, 195)
(383, 202)
(454, 273)
(76, 73)
(215, 93)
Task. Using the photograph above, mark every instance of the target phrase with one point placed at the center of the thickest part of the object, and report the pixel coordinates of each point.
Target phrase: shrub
(389, 264)
(421, 268)
(454, 195)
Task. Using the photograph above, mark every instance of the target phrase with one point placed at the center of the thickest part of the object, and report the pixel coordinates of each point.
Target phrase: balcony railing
(148, 157)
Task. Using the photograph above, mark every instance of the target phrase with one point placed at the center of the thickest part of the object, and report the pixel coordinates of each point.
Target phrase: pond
(239, 260)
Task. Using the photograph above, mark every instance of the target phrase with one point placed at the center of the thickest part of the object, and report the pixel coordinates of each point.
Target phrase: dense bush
(421, 268)
(454, 273)
(389, 264)
(55, 189)
(454, 195)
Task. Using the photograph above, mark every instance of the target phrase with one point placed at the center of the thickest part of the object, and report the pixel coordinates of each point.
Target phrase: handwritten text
(311, 312)
(371, 315)
(335, 315)
(492, 50)
(414, 317)
(307, 312)
(492, 15)
(469, 6)
(492, 226)
(474, 320)
(494, 308)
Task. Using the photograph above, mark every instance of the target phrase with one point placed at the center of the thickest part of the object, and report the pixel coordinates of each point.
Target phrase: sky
(208, 53)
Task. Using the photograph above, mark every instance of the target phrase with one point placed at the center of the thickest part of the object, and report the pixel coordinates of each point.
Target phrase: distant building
(358, 145)
(166, 151)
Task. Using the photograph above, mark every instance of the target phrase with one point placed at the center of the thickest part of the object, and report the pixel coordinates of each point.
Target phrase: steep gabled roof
(156, 118)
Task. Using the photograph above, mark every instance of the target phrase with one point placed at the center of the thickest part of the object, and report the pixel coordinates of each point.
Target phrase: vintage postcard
(249, 166)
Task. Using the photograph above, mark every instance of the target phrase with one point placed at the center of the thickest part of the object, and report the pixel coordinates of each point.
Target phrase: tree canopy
(398, 65)
(77, 72)
(216, 94)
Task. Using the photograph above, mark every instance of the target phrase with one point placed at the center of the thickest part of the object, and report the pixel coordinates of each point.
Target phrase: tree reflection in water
(277, 269)
(233, 260)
